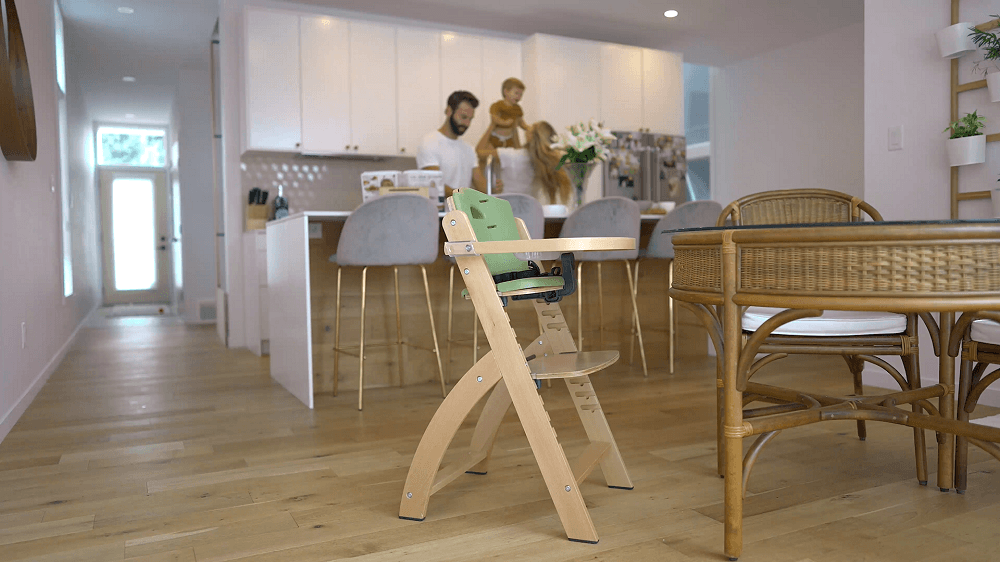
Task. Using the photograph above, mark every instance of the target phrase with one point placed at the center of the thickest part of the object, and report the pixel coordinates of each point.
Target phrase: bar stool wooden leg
(451, 298)
(361, 350)
(430, 315)
(399, 327)
(635, 313)
(631, 346)
(336, 338)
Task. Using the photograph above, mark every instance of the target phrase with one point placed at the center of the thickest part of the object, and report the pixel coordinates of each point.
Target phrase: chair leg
(336, 338)
(430, 315)
(631, 346)
(399, 327)
(857, 367)
(451, 298)
(600, 302)
(638, 325)
(579, 305)
(671, 332)
(361, 350)
(961, 443)
(911, 367)
(467, 392)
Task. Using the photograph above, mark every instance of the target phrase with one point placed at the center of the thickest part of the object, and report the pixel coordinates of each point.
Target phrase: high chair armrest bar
(556, 245)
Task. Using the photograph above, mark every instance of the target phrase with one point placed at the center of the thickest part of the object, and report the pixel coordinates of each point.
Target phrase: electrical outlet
(24, 334)
(896, 137)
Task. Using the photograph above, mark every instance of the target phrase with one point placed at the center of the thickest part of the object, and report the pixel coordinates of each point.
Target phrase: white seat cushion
(831, 323)
(986, 331)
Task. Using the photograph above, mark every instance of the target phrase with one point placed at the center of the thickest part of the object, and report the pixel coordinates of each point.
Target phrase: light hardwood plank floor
(152, 442)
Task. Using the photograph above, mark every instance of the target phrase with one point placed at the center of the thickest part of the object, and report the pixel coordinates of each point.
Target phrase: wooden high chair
(485, 239)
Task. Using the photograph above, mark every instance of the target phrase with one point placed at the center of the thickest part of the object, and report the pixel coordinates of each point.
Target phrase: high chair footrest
(574, 364)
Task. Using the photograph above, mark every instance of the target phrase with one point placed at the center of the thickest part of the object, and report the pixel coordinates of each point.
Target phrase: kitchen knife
(254, 194)
(263, 197)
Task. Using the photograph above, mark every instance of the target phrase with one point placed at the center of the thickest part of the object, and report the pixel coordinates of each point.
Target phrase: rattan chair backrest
(797, 206)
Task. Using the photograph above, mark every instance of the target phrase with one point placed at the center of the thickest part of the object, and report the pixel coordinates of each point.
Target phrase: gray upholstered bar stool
(388, 231)
(526, 208)
(610, 216)
(686, 215)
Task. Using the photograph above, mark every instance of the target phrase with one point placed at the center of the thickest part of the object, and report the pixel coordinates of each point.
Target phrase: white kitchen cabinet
(621, 87)
(501, 60)
(418, 85)
(326, 95)
(462, 69)
(373, 88)
(255, 299)
(663, 92)
(273, 117)
(563, 80)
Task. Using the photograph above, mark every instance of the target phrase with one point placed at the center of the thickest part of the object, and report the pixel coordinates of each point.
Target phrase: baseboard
(10, 418)
(873, 376)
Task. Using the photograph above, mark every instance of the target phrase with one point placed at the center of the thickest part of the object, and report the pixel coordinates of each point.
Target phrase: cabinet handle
(355, 147)
(348, 147)
(298, 144)
(402, 149)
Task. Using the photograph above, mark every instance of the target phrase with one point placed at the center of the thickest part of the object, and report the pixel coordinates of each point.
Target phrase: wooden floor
(152, 442)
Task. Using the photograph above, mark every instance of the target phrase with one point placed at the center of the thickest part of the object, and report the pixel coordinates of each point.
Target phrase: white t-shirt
(455, 158)
(518, 174)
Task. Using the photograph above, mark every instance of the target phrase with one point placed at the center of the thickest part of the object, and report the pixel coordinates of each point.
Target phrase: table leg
(946, 404)
(733, 406)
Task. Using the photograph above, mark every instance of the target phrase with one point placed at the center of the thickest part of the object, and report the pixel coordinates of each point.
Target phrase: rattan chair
(687, 215)
(485, 238)
(859, 337)
(980, 349)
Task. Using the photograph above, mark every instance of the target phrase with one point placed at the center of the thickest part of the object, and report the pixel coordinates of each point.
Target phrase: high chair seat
(527, 285)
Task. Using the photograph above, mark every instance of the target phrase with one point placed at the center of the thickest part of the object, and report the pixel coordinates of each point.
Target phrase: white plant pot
(967, 150)
(996, 202)
(954, 41)
(993, 83)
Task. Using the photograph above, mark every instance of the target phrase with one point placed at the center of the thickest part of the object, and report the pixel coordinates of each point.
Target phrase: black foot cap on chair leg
(622, 487)
(923, 482)
(731, 559)
(862, 438)
(411, 518)
(960, 492)
(584, 542)
(474, 472)
(945, 489)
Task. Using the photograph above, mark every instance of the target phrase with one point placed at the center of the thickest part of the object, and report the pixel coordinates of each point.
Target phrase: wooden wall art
(18, 137)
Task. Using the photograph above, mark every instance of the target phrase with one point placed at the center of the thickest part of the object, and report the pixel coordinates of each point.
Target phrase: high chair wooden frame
(511, 374)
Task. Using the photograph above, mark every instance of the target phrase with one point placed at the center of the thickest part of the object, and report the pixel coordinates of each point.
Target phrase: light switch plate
(315, 230)
(896, 137)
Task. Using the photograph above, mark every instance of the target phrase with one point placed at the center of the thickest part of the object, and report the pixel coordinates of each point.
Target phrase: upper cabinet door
(326, 97)
(462, 69)
(663, 92)
(418, 86)
(272, 80)
(562, 80)
(501, 60)
(373, 88)
(621, 87)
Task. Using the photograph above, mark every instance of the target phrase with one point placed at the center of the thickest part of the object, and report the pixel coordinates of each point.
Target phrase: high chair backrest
(493, 221)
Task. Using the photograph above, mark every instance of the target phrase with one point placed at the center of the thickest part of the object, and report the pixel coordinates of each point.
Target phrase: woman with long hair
(530, 170)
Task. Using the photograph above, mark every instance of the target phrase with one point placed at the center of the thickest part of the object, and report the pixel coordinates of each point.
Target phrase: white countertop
(335, 216)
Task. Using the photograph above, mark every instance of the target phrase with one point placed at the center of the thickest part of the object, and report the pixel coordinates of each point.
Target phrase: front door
(136, 236)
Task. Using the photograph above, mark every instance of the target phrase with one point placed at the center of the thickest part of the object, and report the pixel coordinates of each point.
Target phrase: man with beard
(443, 150)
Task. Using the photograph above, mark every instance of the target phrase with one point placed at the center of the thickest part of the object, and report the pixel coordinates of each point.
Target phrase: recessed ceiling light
(128, 78)
(129, 115)
(670, 13)
(125, 10)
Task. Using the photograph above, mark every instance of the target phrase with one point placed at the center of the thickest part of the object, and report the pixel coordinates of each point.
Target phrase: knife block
(256, 216)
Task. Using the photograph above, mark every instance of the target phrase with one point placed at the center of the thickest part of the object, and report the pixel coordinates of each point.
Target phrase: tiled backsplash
(312, 183)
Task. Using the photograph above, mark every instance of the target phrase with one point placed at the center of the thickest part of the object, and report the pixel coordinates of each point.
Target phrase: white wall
(31, 258)
(908, 83)
(195, 172)
(791, 118)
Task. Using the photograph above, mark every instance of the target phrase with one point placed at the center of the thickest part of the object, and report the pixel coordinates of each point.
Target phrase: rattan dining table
(948, 267)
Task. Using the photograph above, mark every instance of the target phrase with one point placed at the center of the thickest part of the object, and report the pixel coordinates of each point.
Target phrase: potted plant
(954, 41)
(990, 43)
(967, 144)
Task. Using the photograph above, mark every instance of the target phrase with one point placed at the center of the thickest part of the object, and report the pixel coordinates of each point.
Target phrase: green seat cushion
(492, 220)
(543, 284)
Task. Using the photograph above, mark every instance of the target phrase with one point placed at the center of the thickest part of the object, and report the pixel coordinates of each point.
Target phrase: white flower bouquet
(583, 143)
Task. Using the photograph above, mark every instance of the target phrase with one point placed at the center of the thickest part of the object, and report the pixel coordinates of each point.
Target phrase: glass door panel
(133, 234)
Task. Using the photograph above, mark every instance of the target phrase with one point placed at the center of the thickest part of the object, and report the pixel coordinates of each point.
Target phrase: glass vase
(579, 173)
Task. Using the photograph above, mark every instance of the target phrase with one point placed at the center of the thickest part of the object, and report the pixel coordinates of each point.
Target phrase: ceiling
(162, 36)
